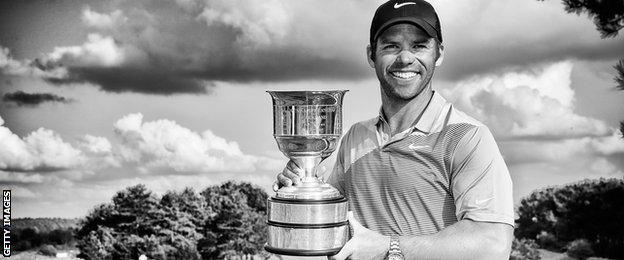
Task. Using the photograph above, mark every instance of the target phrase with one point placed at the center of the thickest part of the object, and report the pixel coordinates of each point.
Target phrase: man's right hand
(288, 176)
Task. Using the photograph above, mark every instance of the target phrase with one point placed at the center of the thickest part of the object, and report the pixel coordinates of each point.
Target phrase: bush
(524, 249)
(47, 250)
(590, 209)
(580, 249)
(548, 241)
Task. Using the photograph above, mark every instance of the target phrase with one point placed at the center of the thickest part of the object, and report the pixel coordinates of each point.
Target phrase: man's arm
(465, 239)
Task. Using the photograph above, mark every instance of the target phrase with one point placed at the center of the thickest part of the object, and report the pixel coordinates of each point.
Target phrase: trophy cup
(310, 218)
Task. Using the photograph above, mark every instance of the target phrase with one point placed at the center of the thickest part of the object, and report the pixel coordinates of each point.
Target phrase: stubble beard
(395, 94)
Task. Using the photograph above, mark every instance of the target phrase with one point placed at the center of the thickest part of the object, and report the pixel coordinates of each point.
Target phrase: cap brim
(413, 20)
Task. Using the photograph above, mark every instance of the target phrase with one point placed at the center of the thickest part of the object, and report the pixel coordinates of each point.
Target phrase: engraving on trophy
(309, 218)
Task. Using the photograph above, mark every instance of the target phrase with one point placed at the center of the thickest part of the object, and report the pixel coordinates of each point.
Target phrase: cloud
(496, 36)
(41, 150)
(103, 21)
(536, 104)
(564, 150)
(165, 144)
(10, 66)
(159, 147)
(185, 46)
(33, 99)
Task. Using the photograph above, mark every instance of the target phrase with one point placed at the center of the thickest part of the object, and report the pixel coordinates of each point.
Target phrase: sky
(96, 96)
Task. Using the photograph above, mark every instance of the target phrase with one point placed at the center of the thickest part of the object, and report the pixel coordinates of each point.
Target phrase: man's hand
(288, 176)
(365, 243)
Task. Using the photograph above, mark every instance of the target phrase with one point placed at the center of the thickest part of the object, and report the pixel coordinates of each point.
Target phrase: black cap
(417, 12)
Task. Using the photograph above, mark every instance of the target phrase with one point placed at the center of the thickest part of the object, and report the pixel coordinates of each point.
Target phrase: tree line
(222, 221)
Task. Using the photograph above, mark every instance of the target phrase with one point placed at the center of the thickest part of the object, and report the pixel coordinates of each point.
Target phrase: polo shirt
(444, 168)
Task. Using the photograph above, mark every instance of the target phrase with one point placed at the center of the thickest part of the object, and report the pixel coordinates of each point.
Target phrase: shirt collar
(427, 121)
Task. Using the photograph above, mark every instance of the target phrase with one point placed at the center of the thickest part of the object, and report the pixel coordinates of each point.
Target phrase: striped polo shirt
(444, 168)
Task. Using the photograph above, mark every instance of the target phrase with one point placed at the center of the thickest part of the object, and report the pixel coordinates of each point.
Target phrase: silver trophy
(308, 219)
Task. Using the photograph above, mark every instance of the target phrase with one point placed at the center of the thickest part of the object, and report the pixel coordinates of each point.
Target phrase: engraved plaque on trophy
(310, 218)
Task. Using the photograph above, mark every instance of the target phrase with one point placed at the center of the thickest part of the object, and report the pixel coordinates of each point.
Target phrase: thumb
(344, 253)
(356, 227)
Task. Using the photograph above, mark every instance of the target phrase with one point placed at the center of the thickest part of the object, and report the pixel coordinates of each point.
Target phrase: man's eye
(390, 47)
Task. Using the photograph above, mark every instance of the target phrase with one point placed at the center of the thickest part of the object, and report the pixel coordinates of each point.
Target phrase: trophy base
(309, 191)
(292, 252)
(303, 227)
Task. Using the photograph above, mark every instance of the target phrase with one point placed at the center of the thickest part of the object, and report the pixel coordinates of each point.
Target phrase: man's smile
(404, 74)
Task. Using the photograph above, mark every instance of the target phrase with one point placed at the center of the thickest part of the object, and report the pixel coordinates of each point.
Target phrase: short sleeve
(480, 181)
(336, 177)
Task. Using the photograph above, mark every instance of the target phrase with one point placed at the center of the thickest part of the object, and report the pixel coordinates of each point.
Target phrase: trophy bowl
(308, 219)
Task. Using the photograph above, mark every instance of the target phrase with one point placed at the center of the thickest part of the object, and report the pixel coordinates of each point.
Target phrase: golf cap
(417, 12)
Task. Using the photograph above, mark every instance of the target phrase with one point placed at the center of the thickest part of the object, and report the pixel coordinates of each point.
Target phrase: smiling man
(424, 180)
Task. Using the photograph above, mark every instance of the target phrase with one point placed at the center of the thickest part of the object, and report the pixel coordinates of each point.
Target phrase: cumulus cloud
(40, 150)
(165, 144)
(33, 99)
(529, 104)
(262, 23)
(158, 147)
(100, 20)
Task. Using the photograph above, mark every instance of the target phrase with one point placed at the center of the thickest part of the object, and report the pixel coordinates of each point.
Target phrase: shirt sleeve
(336, 176)
(480, 181)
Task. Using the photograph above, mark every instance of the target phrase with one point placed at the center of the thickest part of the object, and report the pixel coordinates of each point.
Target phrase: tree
(137, 223)
(608, 15)
(225, 221)
(619, 81)
(619, 78)
(589, 210)
(238, 223)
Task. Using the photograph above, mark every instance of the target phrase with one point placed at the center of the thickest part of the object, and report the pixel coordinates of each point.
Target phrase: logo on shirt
(397, 5)
(415, 146)
(483, 201)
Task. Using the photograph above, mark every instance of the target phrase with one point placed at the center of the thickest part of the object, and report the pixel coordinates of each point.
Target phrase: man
(424, 180)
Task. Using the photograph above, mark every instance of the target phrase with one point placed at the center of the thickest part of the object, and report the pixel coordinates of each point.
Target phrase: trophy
(310, 218)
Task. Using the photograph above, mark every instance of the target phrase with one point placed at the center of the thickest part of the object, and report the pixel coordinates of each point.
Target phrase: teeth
(404, 75)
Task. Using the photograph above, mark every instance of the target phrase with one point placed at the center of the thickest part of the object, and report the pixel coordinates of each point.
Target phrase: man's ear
(440, 55)
(369, 56)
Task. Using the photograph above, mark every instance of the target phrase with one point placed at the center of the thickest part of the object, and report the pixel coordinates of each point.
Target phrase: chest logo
(481, 202)
(416, 146)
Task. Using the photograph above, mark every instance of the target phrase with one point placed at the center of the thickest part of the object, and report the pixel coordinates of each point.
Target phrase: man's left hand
(365, 243)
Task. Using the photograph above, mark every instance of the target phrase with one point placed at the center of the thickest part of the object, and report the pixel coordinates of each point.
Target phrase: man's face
(405, 59)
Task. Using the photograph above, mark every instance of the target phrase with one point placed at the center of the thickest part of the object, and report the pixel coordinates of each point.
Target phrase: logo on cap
(397, 5)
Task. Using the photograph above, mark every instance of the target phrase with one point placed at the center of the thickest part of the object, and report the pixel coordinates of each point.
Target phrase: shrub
(47, 250)
(580, 249)
(590, 209)
(548, 241)
(524, 249)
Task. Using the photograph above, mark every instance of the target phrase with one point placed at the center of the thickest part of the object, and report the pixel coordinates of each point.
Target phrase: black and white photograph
(312, 129)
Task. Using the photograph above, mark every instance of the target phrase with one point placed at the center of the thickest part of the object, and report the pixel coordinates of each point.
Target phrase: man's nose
(406, 57)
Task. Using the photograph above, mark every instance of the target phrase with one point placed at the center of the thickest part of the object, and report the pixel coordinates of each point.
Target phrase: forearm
(465, 239)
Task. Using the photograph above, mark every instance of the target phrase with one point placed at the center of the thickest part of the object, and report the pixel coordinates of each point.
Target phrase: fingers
(283, 180)
(344, 253)
(288, 176)
(355, 225)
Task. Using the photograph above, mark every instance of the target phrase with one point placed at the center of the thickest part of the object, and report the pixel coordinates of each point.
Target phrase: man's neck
(402, 114)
